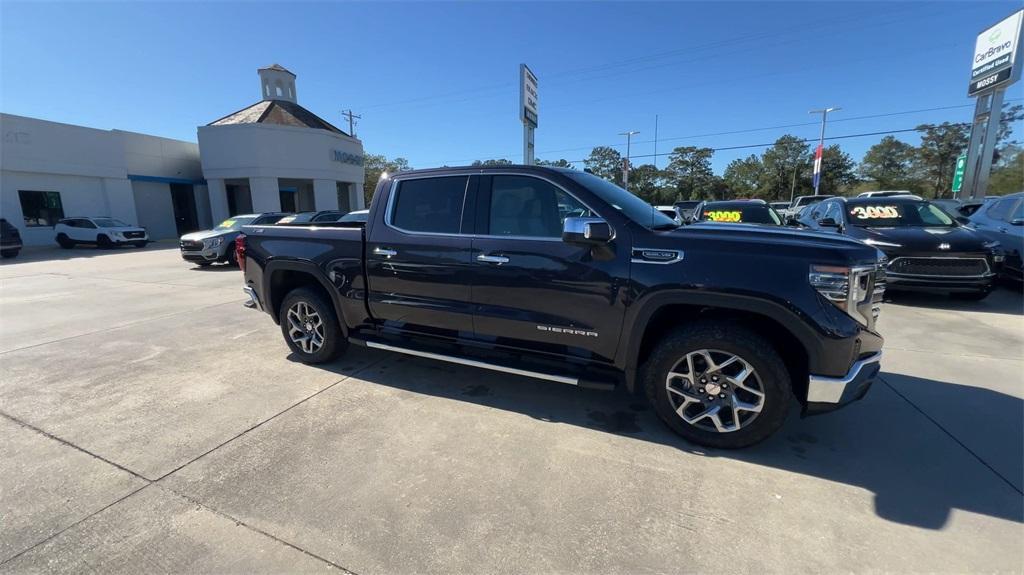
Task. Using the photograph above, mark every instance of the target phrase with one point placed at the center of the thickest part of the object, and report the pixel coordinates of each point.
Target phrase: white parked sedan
(103, 231)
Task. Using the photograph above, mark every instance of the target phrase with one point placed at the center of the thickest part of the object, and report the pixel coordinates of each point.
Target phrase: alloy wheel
(715, 390)
(305, 327)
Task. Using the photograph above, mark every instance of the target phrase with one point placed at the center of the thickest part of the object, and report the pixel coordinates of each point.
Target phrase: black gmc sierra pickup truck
(560, 275)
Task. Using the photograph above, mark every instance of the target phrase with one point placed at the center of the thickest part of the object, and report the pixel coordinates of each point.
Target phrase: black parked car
(10, 239)
(927, 249)
(737, 212)
(312, 217)
(485, 267)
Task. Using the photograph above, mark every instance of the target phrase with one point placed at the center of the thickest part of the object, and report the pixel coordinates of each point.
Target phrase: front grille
(134, 235)
(191, 245)
(939, 267)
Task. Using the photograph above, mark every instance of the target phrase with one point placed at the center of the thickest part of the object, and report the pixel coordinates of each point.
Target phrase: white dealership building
(274, 155)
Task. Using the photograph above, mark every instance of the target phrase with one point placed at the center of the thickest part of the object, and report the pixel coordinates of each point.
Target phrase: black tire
(971, 296)
(103, 242)
(65, 242)
(334, 342)
(230, 258)
(140, 244)
(729, 338)
(8, 254)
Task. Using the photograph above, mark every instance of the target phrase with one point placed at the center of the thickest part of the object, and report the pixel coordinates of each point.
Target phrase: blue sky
(437, 82)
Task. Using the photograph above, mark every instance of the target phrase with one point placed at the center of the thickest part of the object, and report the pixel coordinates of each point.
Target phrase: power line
(803, 140)
(743, 131)
(566, 76)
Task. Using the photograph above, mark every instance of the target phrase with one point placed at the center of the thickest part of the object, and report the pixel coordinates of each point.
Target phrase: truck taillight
(240, 251)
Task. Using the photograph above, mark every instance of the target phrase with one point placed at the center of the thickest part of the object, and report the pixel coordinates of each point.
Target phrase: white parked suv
(102, 231)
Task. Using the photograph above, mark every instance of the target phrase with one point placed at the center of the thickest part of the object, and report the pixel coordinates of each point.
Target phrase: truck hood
(764, 234)
(924, 239)
(207, 234)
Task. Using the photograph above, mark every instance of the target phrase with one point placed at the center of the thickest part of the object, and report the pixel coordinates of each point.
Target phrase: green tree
(889, 164)
(838, 171)
(688, 173)
(744, 176)
(374, 166)
(937, 154)
(645, 181)
(1008, 175)
(560, 163)
(786, 164)
(606, 163)
(489, 163)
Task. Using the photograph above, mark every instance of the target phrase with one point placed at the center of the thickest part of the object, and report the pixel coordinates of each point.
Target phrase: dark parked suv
(486, 267)
(10, 239)
(927, 249)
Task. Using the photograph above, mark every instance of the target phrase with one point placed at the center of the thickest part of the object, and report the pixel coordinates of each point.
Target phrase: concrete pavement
(151, 423)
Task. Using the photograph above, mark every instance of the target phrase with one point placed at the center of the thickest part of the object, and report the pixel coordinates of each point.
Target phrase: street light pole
(821, 144)
(625, 172)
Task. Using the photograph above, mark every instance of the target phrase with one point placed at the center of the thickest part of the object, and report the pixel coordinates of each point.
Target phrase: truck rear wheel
(310, 326)
(718, 384)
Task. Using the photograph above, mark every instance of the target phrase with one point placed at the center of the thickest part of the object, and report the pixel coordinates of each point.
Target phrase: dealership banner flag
(817, 166)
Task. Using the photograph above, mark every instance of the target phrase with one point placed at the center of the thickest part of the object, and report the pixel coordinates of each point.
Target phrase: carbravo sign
(995, 56)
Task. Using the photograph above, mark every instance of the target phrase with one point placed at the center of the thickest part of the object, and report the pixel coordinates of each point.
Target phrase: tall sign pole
(996, 64)
(625, 167)
(528, 111)
(819, 152)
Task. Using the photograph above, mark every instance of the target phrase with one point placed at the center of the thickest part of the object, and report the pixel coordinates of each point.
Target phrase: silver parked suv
(218, 245)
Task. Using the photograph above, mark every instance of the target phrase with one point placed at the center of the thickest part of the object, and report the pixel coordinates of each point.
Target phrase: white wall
(80, 196)
(89, 167)
(156, 209)
(272, 151)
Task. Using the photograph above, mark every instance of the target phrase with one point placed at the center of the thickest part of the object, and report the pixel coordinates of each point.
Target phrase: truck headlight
(855, 290)
(213, 242)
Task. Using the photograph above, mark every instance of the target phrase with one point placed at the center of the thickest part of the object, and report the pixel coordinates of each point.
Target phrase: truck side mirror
(828, 223)
(590, 231)
(962, 220)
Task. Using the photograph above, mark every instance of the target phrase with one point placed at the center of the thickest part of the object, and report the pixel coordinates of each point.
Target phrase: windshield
(631, 206)
(234, 223)
(806, 201)
(891, 214)
(740, 214)
(109, 223)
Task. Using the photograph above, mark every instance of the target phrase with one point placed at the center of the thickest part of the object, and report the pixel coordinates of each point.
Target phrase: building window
(40, 208)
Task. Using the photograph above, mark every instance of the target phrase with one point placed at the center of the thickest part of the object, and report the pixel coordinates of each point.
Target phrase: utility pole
(351, 122)
(821, 144)
(625, 171)
(655, 141)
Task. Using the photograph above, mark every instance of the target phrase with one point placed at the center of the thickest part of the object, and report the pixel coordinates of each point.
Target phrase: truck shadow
(1004, 300)
(918, 472)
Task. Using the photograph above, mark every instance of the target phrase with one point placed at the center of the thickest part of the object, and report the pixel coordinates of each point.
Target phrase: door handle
(379, 251)
(492, 259)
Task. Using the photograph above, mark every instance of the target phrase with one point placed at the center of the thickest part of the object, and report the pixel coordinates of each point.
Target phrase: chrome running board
(473, 363)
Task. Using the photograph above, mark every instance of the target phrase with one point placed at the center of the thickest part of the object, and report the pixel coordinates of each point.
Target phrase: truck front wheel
(718, 384)
(310, 326)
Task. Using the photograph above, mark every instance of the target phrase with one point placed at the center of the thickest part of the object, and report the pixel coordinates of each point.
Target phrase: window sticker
(875, 212)
(723, 215)
(227, 223)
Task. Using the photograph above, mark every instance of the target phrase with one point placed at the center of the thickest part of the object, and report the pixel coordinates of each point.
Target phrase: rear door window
(429, 205)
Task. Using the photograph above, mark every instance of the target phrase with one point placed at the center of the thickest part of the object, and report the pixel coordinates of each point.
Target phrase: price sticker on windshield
(875, 212)
(723, 215)
(227, 223)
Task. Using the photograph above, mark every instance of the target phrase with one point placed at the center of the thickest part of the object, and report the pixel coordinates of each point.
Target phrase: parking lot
(153, 424)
